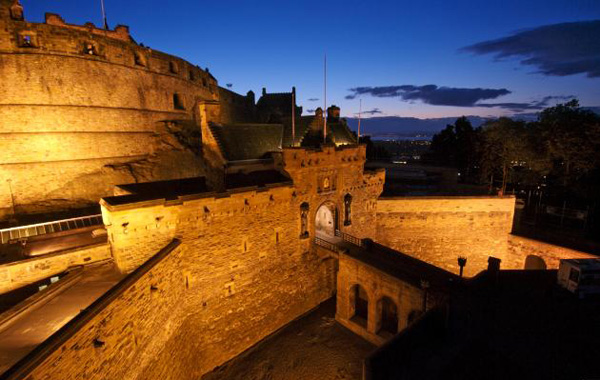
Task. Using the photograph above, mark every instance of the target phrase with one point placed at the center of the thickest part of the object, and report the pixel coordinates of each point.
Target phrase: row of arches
(386, 312)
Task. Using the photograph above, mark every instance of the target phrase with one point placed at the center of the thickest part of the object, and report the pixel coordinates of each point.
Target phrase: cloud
(557, 49)
(373, 111)
(313, 99)
(531, 106)
(310, 111)
(431, 94)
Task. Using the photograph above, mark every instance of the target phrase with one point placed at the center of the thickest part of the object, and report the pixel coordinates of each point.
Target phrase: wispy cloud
(374, 111)
(535, 105)
(557, 49)
(313, 99)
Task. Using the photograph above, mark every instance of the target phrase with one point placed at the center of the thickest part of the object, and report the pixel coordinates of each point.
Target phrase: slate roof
(247, 141)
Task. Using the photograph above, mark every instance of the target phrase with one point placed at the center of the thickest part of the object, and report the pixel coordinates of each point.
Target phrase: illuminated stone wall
(72, 124)
(439, 229)
(377, 284)
(343, 169)
(20, 273)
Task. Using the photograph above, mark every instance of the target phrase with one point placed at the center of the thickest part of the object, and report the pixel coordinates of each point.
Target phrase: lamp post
(462, 261)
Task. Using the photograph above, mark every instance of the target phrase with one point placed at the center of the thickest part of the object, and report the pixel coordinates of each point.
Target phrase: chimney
(264, 91)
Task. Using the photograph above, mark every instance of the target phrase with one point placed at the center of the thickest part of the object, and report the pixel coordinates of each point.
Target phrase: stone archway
(387, 316)
(359, 305)
(326, 219)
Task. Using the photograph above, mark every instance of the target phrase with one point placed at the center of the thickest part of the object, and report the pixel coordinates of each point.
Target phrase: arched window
(347, 210)
(304, 220)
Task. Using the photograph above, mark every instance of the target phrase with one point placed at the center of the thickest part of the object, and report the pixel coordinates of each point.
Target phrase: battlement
(56, 36)
(326, 155)
(121, 32)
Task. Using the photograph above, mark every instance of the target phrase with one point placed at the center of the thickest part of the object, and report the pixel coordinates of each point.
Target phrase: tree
(569, 139)
(503, 145)
(455, 146)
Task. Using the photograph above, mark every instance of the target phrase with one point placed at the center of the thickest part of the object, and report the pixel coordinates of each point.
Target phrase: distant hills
(412, 127)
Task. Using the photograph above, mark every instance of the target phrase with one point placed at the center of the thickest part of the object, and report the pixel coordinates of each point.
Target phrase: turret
(333, 113)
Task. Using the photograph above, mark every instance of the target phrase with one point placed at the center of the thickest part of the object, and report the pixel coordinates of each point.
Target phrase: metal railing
(22, 232)
(326, 244)
(349, 238)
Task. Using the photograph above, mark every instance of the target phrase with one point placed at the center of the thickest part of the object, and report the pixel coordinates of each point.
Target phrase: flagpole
(359, 112)
(104, 15)
(293, 118)
(325, 99)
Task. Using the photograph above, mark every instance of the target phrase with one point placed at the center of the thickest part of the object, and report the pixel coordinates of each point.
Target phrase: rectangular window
(177, 102)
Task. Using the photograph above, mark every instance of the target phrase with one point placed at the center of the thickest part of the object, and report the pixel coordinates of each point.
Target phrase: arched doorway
(359, 305)
(388, 316)
(534, 262)
(326, 220)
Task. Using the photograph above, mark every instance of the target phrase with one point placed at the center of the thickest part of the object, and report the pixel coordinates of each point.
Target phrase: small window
(26, 41)
(90, 49)
(204, 82)
(192, 75)
(139, 59)
(177, 102)
(173, 67)
(574, 275)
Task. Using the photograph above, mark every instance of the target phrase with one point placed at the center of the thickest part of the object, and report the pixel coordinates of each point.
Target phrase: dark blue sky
(417, 58)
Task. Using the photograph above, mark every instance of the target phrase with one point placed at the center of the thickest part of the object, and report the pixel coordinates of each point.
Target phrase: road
(32, 329)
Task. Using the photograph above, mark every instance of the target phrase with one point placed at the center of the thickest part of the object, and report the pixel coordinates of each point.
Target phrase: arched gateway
(326, 219)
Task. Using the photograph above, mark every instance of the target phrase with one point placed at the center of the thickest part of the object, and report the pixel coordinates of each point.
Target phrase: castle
(228, 217)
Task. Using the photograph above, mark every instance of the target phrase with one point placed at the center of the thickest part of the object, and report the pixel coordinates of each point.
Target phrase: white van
(580, 276)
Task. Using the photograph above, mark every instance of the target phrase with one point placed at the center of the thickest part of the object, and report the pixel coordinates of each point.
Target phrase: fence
(22, 232)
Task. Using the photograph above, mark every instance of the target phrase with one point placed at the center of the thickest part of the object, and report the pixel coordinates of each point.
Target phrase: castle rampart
(80, 102)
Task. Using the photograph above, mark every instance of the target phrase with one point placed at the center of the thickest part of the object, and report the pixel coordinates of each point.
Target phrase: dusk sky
(420, 58)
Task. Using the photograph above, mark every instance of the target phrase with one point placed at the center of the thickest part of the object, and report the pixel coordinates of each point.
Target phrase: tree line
(559, 151)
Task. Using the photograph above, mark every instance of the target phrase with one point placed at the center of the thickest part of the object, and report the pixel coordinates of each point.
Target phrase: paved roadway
(32, 329)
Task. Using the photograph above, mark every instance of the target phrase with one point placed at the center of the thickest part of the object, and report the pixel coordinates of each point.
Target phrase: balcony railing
(23, 232)
(349, 238)
(326, 244)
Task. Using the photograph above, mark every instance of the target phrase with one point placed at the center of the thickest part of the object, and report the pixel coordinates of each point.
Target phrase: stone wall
(439, 229)
(377, 284)
(343, 169)
(72, 125)
(519, 248)
(20, 273)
